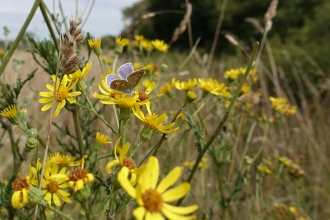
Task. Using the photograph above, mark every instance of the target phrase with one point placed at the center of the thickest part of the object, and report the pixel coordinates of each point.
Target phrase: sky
(105, 18)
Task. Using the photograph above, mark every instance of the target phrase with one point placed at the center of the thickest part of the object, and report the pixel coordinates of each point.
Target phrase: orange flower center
(52, 187)
(77, 174)
(62, 93)
(152, 200)
(143, 96)
(20, 183)
(129, 163)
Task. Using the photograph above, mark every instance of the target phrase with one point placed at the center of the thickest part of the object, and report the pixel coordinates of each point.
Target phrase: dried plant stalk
(68, 47)
(183, 24)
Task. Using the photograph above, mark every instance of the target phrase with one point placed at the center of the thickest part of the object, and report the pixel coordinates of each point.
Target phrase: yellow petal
(46, 107)
(169, 180)
(25, 199)
(176, 192)
(124, 182)
(180, 210)
(123, 152)
(56, 200)
(16, 200)
(139, 213)
(171, 215)
(71, 100)
(111, 164)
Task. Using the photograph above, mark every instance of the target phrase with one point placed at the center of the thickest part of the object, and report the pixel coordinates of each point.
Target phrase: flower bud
(190, 97)
(31, 143)
(32, 133)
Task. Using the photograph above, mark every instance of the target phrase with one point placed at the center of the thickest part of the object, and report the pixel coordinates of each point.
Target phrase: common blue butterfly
(126, 80)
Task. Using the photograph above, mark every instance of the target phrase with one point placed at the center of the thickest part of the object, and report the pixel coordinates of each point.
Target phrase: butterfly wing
(121, 86)
(111, 77)
(135, 77)
(125, 70)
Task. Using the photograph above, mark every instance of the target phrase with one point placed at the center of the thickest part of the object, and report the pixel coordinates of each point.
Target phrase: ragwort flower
(124, 161)
(160, 45)
(78, 177)
(152, 198)
(20, 187)
(62, 95)
(52, 186)
(186, 86)
(102, 138)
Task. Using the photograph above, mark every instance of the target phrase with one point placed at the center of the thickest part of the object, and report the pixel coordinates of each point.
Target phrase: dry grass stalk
(271, 12)
(68, 47)
(183, 24)
(255, 23)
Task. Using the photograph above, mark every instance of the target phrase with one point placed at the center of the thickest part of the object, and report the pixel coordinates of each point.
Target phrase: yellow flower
(232, 74)
(94, 43)
(286, 161)
(124, 161)
(160, 45)
(202, 165)
(52, 186)
(152, 198)
(62, 160)
(136, 65)
(281, 105)
(2, 53)
(264, 169)
(111, 97)
(154, 122)
(166, 88)
(122, 41)
(62, 95)
(79, 75)
(186, 86)
(147, 45)
(11, 114)
(20, 187)
(78, 177)
(139, 37)
(214, 87)
(102, 138)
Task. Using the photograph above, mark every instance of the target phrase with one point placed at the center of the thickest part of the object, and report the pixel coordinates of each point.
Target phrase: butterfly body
(126, 80)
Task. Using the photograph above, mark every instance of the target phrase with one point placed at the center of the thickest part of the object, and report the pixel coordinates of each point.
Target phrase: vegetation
(164, 125)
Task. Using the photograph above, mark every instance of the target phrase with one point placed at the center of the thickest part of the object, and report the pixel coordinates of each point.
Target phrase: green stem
(97, 115)
(86, 208)
(224, 118)
(136, 148)
(49, 26)
(14, 148)
(58, 212)
(114, 63)
(101, 65)
(19, 36)
(75, 113)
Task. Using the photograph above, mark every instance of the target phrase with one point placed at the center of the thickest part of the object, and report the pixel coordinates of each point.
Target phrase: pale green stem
(87, 211)
(19, 36)
(58, 212)
(93, 110)
(136, 148)
(101, 65)
(49, 26)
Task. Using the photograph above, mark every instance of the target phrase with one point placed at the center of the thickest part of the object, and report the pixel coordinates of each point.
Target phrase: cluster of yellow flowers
(56, 177)
(282, 105)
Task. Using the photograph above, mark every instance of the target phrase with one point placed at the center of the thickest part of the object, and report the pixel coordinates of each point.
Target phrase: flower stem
(101, 65)
(49, 26)
(19, 36)
(58, 212)
(136, 148)
(75, 113)
(91, 108)
(86, 208)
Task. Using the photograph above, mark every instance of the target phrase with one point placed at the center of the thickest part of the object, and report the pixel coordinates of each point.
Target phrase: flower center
(62, 93)
(143, 96)
(20, 183)
(129, 163)
(152, 200)
(77, 174)
(52, 187)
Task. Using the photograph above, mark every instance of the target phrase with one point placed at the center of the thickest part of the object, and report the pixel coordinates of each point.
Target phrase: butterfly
(126, 80)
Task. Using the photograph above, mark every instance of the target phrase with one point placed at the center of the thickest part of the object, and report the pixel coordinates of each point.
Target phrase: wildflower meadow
(140, 130)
